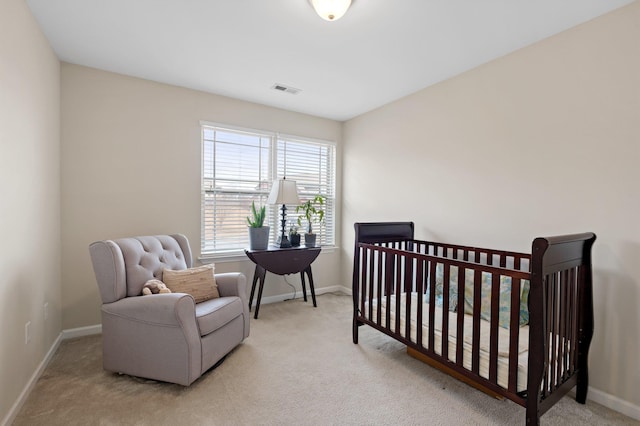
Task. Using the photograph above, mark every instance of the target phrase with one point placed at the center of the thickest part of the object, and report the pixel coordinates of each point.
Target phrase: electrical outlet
(27, 332)
(46, 310)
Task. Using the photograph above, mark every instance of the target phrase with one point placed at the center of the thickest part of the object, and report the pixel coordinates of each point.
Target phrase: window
(239, 166)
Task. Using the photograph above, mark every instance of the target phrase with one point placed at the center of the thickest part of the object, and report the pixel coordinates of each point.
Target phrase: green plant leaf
(257, 219)
(312, 211)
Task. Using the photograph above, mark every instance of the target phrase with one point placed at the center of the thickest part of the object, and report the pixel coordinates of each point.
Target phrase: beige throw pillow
(199, 282)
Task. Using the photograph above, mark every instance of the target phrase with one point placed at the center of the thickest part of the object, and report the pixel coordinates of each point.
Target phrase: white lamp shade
(284, 191)
(331, 10)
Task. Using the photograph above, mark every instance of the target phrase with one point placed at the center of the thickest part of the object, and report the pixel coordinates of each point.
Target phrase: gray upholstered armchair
(165, 337)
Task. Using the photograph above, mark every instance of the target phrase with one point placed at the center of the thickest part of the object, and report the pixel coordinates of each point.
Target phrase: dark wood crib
(477, 300)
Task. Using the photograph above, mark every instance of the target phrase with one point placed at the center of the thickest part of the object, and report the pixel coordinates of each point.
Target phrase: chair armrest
(152, 336)
(173, 309)
(232, 284)
(235, 284)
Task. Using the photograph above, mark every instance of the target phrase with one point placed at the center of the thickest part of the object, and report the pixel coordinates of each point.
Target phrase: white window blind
(239, 166)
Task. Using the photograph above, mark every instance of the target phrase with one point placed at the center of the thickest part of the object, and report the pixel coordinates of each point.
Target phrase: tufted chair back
(123, 266)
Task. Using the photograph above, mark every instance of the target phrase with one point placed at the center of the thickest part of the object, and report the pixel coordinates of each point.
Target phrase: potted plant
(258, 233)
(294, 237)
(311, 211)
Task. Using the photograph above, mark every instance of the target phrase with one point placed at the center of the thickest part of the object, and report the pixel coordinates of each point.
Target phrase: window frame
(274, 170)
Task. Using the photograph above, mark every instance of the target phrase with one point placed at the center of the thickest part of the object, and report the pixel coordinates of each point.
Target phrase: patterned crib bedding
(503, 336)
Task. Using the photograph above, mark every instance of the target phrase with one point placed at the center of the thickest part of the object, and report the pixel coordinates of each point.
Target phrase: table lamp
(284, 192)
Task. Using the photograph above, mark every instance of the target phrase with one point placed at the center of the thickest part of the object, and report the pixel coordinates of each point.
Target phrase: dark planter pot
(310, 240)
(295, 240)
(258, 238)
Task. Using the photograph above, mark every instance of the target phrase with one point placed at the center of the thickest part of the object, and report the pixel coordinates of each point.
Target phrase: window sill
(239, 256)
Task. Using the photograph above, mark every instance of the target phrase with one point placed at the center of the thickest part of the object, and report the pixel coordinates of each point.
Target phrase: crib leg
(583, 386)
(583, 369)
(533, 417)
(355, 331)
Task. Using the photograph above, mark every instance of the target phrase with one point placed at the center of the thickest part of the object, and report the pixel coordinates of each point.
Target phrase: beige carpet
(298, 367)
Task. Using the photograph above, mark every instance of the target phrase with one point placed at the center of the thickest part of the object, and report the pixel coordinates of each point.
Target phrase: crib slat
(398, 290)
(547, 295)
(460, 317)
(379, 294)
(554, 330)
(408, 287)
(551, 333)
(574, 321)
(388, 281)
(477, 300)
(370, 283)
(432, 303)
(562, 299)
(363, 279)
(421, 292)
(570, 320)
(569, 324)
(445, 312)
(514, 333)
(562, 343)
(547, 337)
(493, 327)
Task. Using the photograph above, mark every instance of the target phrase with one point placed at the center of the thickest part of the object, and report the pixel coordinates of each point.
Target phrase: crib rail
(501, 258)
(393, 272)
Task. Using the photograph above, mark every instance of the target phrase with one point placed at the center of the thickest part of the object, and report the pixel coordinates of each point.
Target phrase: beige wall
(131, 166)
(540, 142)
(29, 198)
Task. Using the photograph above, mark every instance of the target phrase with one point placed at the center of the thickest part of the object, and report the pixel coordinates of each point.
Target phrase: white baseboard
(288, 296)
(346, 290)
(81, 331)
(15, 409)
(613, 402)
(64, 335)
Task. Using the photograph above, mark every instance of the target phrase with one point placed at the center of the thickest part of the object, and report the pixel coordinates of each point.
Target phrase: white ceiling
(380, 51)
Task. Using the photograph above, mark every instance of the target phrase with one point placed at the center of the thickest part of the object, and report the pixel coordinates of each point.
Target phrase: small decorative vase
(310, 240)
(258, 238)
(295, 240)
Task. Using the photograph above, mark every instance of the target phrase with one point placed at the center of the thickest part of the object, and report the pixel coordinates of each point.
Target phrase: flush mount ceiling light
(331, 10)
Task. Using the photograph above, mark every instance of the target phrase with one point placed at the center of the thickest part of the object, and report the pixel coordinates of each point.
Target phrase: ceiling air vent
(286, 89)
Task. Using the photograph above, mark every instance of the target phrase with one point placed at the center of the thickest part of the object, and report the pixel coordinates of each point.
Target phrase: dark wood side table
(282, 261)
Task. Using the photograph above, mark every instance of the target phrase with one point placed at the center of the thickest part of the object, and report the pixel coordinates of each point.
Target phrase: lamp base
(283, 242)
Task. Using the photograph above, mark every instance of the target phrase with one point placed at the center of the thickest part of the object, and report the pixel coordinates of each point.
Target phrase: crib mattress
(503, 337)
